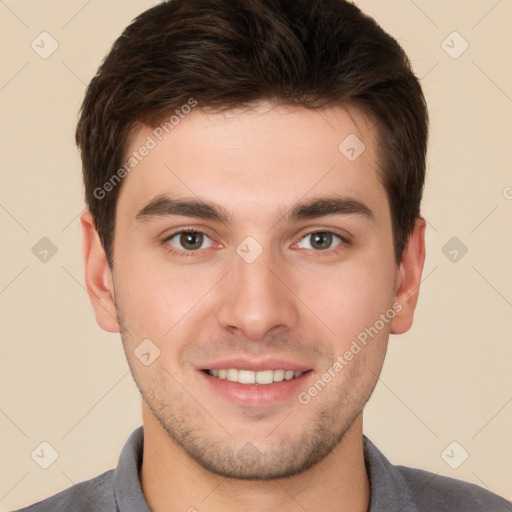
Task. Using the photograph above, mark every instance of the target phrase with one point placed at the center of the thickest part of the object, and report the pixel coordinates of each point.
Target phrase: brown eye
(187, 241)
(321, 240)
(191, 241)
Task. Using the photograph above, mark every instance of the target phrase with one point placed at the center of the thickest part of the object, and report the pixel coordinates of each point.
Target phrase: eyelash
(171, 249)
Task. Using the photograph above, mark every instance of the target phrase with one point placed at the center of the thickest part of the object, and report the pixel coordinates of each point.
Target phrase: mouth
(255, 383)
(257, 377)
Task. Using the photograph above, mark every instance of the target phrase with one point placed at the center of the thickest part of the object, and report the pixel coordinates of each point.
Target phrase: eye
(321, 240)
(187, 241)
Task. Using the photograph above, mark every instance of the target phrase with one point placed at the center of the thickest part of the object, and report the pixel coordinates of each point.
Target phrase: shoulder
(87, 496)
(433, 492)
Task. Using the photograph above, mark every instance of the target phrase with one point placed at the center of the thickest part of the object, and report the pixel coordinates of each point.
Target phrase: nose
(258, 298)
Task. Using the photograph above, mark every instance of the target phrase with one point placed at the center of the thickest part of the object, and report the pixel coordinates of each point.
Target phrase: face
(257, 259)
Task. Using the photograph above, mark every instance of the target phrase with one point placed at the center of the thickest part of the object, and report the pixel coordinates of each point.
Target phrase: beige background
(66, 382)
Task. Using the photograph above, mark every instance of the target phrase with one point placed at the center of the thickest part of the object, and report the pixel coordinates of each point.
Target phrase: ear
(98, 277)
(409, 279)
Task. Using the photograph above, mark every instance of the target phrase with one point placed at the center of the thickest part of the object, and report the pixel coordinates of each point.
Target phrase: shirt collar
(389, 489)
(127, 486)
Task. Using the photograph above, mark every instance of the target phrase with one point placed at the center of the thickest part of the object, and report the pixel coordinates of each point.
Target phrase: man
(253, 173)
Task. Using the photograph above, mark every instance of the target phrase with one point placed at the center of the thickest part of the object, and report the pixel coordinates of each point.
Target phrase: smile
(254, 377)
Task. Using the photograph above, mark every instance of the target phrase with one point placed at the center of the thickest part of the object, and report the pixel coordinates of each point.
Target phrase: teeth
(278, 375)
(250, 377)
(245, 377)
(265, 377)
(232, 375)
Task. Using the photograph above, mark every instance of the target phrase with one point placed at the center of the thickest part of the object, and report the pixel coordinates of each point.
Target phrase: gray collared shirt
(393, 488)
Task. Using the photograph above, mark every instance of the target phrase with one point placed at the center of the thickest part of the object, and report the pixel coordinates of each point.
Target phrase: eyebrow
(164, 206)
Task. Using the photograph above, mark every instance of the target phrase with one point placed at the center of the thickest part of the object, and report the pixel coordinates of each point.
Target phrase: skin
(294, 301)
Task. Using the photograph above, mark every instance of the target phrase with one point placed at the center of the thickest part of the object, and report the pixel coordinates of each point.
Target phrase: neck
(171, 480)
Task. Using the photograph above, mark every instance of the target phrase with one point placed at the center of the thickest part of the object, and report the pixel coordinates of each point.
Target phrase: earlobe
(98, 277)
(409, 279)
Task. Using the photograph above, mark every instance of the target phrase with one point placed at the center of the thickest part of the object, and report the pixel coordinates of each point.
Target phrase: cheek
(351, 297)
(157, 301)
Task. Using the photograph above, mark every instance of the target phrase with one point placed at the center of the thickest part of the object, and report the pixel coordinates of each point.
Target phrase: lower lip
(253, 395)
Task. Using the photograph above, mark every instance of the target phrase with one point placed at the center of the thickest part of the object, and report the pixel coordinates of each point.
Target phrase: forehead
(255, 162)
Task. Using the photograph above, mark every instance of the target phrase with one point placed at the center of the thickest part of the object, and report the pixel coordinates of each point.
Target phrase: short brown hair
(232, 53)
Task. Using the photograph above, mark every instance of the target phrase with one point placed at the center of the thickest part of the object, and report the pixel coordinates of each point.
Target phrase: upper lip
(255, 365)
